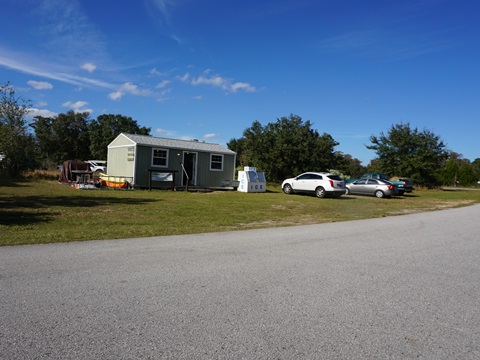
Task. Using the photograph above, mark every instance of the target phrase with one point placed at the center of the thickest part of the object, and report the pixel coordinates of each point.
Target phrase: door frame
(190, 167)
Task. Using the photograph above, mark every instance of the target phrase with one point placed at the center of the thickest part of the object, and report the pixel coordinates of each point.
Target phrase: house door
(190, 165)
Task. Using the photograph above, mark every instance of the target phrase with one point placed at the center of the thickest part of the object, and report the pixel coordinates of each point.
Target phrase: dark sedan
(374, 187)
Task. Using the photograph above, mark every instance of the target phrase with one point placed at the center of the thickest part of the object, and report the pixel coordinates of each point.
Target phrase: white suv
(321, 184)
(97, 166)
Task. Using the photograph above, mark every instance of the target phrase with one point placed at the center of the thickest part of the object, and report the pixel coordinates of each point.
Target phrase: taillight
(331, 183)
(390, 187)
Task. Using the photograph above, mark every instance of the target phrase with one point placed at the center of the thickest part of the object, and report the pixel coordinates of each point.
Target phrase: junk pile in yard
(79, 175)
(76, 173)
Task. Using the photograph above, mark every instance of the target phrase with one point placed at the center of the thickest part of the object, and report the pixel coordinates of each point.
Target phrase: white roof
(193, 145)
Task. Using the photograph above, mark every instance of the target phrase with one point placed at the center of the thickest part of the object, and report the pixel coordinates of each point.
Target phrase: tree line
(291, 146)
(46, 142)
(281, 149)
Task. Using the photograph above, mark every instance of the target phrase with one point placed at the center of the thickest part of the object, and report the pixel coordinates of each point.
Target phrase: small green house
(148, 161)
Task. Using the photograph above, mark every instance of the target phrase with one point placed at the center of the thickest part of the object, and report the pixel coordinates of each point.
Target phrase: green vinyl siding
(129, 158)
(143, 163)
(207, 177)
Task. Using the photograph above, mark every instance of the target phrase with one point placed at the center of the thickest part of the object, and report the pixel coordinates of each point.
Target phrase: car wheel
(320, 192)
(379, 194)
(287, 189)
(401, 193)
(347, 191)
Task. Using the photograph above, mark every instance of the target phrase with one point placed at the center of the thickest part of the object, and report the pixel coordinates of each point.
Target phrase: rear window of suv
(334, 177)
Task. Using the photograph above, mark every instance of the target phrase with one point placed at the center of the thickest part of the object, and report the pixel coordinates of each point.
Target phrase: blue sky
(208, 69)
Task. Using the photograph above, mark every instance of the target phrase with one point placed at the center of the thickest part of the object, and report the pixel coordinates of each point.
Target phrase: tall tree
(48, 143)
(107, 127)
(467, 175)
(16, 143)
(459, 171)
(450, 173)
(285, 148)
(476, 167)
(74, 139)
(406, 151)
(349, 166)
(64, 137)
(238, 145)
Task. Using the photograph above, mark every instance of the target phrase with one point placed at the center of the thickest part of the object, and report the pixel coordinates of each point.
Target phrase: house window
(160, 157)
(216, 162)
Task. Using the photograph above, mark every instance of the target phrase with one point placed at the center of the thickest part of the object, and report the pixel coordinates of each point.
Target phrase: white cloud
(41, 112)
(77, 107)
(127, 88)
(221, 82)
(67, 29)
(214, 81)
(162, 84)
(210, 136)
(163, 6)
(22, 62)
(89, 67)
(166, 133)
(242, 86)
(117, 95)
(40, 85)
(154, 71)
(177, 39)
(184, 77)
(41, 104)
(130, 88)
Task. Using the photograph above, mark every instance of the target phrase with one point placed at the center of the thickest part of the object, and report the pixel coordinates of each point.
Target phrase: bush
(40, 174)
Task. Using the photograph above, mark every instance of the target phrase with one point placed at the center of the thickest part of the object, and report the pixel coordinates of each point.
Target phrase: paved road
(390, 288)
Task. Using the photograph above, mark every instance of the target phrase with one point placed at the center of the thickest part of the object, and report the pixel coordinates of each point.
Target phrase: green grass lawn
(44, 211)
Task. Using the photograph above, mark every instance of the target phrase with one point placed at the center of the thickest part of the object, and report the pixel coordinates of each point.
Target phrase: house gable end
(122, 140)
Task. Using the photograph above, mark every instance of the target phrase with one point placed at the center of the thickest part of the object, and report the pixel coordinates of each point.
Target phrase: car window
(334, 177)
(316, 177)
(372, 182)
(303, 177)
(360, 182)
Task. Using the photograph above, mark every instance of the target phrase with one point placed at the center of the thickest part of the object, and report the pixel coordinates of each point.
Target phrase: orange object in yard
(113, 182)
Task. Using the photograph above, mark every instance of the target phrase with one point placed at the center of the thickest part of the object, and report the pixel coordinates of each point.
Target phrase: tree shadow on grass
(12, 218)
(12, 183)
(24, 210)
